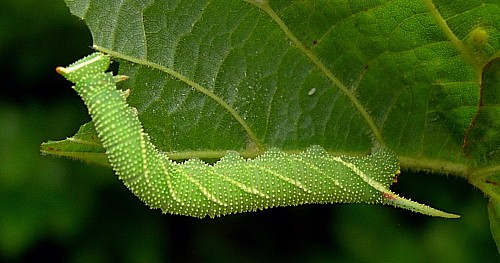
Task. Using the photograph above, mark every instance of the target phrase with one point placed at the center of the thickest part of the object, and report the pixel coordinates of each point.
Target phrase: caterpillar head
(85, 67)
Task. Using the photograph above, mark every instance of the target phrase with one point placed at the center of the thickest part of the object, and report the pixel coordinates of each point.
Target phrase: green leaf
(482, 140)
(85, 145)
(208, 76)
(494, 215)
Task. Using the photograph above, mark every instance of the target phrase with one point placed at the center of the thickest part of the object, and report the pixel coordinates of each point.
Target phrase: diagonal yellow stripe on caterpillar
(233, 184)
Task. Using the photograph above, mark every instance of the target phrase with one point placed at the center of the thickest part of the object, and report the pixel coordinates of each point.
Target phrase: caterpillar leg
(119, 78)
(133, 109)
(126, 93)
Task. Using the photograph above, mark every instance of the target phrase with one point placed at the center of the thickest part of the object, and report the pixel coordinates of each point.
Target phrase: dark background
(67, 211)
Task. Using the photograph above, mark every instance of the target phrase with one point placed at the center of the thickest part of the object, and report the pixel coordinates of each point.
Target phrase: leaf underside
(207, 77)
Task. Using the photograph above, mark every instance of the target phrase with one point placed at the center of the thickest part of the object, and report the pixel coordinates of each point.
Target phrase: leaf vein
(190, 83)
(264, 6)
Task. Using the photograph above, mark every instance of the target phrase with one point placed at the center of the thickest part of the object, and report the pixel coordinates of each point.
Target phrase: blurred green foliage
(66, 211)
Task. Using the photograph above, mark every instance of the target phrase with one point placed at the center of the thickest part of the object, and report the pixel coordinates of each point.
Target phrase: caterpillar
(233, 184)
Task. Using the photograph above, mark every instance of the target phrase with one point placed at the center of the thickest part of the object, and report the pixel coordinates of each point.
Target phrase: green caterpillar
(233, 184)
